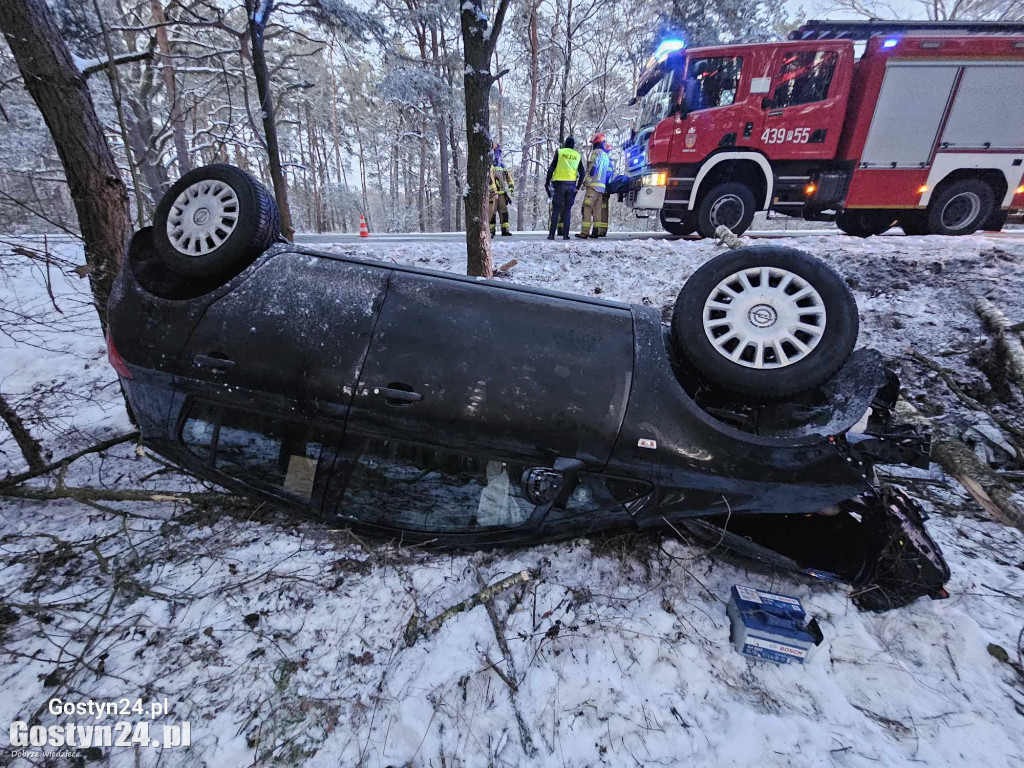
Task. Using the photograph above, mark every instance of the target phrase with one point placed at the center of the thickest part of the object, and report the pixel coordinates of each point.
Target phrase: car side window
(803, 78)
(402, 485)
(717, 80)
(277, 456)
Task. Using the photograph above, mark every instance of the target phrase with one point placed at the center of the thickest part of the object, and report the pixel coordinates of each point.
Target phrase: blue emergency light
(891, 42)
(667, 47)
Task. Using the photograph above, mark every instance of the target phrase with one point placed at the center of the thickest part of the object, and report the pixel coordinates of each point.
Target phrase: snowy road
(280, 641)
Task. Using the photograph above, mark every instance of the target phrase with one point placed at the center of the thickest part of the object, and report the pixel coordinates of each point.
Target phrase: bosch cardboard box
(770, 626)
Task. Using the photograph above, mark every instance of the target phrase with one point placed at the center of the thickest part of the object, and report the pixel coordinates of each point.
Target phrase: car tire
(960, 208)
(213, 222)
(731, 204)
(915, 223)
(685, 226)
(864, 223)
(809, 337)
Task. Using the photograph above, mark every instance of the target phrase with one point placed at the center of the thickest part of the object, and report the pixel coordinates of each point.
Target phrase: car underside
(453, 412)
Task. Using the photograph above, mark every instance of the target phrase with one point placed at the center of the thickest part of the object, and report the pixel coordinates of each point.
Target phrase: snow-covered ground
(281, 642)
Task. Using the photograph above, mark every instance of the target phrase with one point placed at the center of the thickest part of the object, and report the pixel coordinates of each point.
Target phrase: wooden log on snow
(986, 487)
(1006, 338)
(726, 236)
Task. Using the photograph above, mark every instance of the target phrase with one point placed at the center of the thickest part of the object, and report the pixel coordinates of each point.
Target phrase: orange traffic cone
(363, 231)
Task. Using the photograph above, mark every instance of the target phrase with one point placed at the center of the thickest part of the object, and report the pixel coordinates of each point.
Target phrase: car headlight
(655, 179)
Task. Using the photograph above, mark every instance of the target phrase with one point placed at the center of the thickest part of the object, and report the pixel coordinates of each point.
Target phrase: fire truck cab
(925, 129)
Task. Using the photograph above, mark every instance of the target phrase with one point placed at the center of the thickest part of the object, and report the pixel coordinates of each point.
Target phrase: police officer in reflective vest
(565, 176)
(503, 186)
(594, 182)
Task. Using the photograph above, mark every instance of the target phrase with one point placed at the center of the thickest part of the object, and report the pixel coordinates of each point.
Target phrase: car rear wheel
(214, 221)
(860, 223)
(677, 221)
(730, 204)
(960, 208)
(765, 322)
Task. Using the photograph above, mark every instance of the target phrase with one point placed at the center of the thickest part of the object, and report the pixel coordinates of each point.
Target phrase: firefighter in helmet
(565, 175)
(594, 186)
(502, 188)
(601, 225)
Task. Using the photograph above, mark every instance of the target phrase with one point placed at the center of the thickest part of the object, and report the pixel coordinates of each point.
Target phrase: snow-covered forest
(368, 98)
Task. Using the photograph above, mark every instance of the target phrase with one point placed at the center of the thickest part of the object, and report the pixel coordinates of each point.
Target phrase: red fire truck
(925, 129)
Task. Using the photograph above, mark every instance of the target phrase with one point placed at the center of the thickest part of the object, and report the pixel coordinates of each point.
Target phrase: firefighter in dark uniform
(502, 188)
(565, 176)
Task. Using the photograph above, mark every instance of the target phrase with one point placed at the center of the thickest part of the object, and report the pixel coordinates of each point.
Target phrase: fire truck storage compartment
(908, 115)
(989, 109)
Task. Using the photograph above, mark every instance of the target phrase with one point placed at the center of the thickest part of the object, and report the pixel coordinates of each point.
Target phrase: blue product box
(770, 626)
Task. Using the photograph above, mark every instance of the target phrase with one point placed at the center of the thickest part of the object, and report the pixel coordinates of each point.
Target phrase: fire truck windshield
(656, 104)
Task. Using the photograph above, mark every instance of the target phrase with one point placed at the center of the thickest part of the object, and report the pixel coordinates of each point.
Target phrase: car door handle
(213, 362)
(398, 396)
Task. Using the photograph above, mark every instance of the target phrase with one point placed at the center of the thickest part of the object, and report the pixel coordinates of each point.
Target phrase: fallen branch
(42, 469)
(414, 629)
(82, 493)
(1006, 339)
(726, 236)
(985, 486)
(949, 377)
(29, 445)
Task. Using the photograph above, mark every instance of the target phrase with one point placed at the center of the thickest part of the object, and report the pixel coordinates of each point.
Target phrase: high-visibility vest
(597, 170)
(568, 166)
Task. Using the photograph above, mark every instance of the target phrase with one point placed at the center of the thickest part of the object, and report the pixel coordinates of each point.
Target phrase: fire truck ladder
(864, 30)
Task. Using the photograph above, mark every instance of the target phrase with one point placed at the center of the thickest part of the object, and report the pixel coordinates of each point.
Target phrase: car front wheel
(214, 221)
(765, 322)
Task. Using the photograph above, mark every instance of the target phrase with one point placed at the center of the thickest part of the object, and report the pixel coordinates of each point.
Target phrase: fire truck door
(804, 109)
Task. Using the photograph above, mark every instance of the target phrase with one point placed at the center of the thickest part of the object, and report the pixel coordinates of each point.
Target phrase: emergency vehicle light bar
(864, 30)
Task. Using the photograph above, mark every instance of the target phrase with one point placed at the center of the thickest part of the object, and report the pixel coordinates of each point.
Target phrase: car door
(804, 111)
(291, 338)
(522, 373)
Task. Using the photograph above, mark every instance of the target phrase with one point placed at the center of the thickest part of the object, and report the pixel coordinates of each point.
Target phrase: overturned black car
(436, 408)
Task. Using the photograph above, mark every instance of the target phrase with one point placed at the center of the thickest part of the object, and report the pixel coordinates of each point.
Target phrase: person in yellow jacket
(565, 176)
(503, 186)
(594, 184)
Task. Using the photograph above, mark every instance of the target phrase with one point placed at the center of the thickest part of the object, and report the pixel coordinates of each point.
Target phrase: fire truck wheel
(214, 221)
(915, 223)
(861, 223)
(731, 204)
(684, 226)
(765, 322)
(960, 208)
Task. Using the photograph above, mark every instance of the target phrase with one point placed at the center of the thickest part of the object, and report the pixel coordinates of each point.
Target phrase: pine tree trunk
(478, 40)
(60, 92)
(258, 12)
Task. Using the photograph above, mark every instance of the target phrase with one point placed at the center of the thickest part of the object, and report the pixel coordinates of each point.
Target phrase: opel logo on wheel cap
(762, 316)
(201, 216)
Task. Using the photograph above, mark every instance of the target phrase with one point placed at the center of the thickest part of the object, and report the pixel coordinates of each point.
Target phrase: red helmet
(598, 138)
